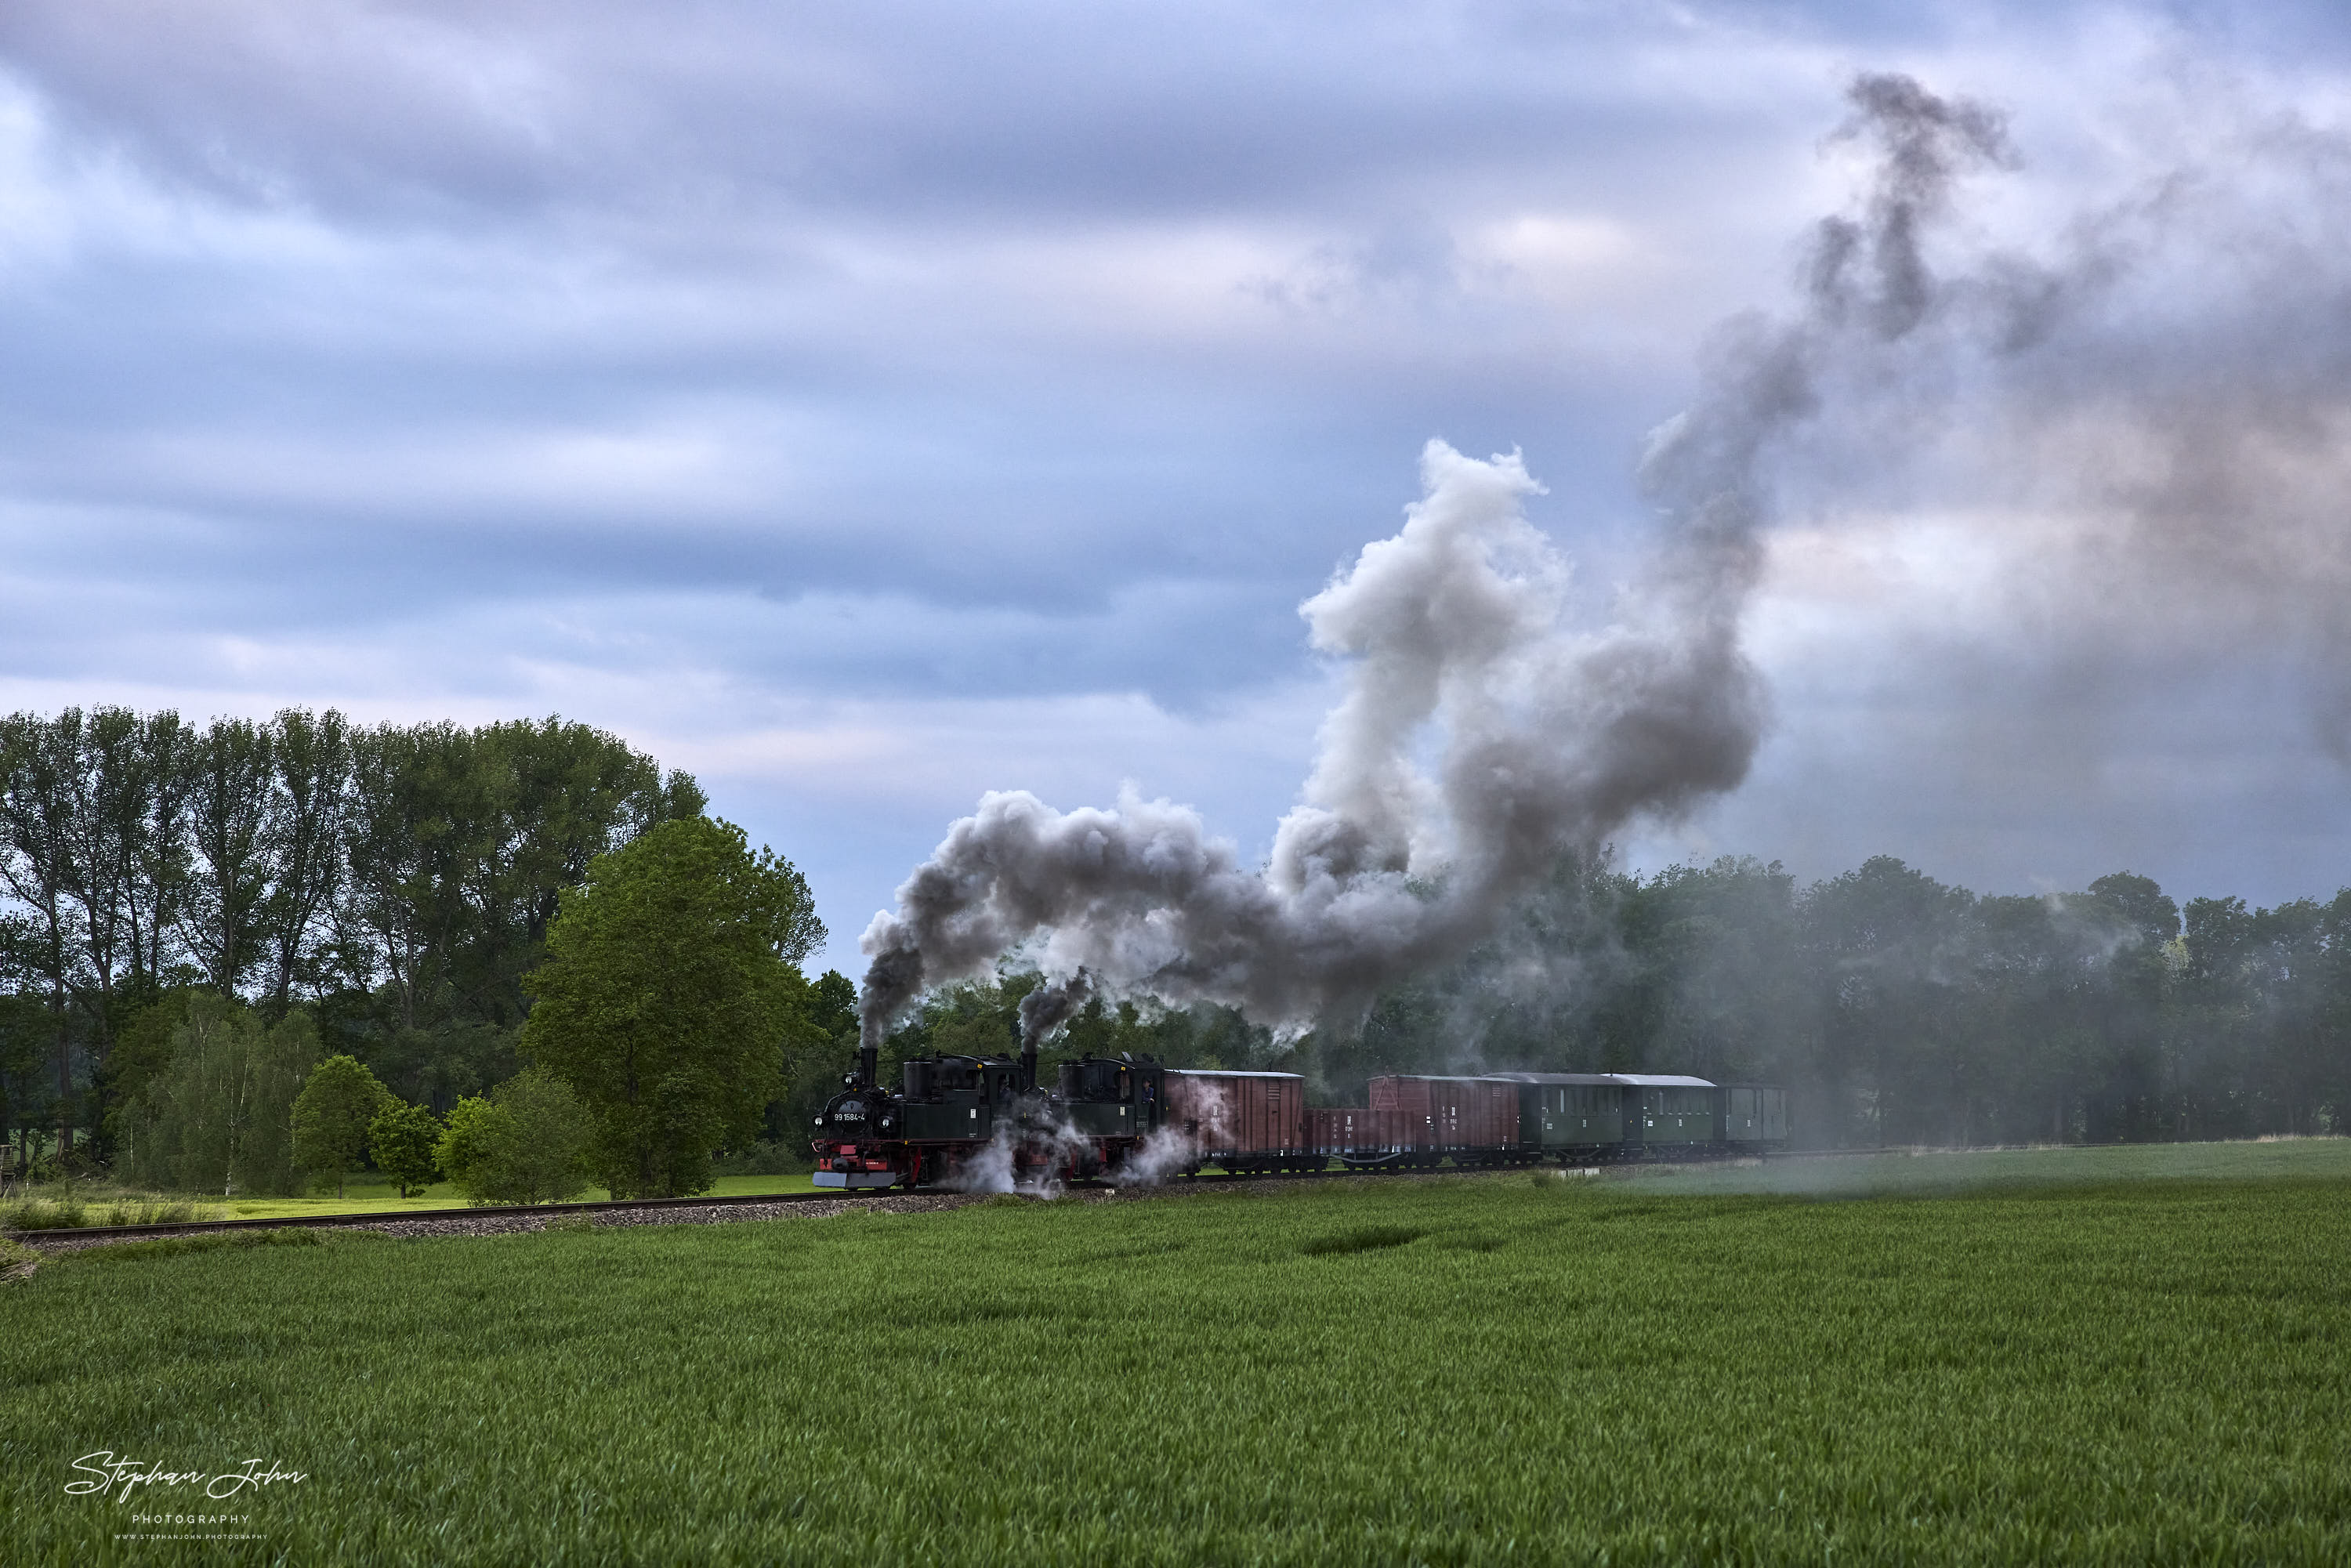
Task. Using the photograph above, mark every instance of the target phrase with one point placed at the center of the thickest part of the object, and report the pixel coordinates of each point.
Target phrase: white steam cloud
(1548, 739)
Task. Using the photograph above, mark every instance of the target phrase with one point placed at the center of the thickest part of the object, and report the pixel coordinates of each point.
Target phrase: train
(964, 1120)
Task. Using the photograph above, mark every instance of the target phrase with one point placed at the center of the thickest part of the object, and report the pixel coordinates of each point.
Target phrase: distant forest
(1897, 1009)
(1903, 1010)
(393, 883)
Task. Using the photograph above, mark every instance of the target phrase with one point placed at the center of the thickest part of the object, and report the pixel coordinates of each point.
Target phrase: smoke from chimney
(1548, 737)
(1051, 1005)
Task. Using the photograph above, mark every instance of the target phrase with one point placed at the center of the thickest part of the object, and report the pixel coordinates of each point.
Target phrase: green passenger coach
(1569, 1113)
(1753, 1116)
(1586, 1116)
(1673, 1115)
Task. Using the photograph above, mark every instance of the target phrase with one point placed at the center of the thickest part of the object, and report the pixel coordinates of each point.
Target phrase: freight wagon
(1241, 1122)
(1428, 1119)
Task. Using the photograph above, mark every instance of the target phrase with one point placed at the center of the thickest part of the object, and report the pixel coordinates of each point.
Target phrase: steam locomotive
(986, 1120)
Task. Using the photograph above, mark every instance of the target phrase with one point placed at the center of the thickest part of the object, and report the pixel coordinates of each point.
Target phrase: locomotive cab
(1110, 1097)
(952, 1099)
(954, 1107)
(1106, 1106)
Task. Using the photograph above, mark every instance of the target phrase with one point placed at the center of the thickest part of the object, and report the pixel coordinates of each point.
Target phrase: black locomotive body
(984, 1120)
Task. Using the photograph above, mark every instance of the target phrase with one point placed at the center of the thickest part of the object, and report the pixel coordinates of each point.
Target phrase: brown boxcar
(1356, 1133)
(1473, 1119)
(1241, 1121)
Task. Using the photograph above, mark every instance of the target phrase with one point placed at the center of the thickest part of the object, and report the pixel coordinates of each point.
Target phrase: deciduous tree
(670, 997)
(526, 1143)
(220, 1117)
(403, 1139)
(332, 1115)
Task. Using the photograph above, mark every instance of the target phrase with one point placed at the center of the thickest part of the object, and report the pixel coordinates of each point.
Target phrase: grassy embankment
(1504, 1369)
(379, 1198)
(65, 1206)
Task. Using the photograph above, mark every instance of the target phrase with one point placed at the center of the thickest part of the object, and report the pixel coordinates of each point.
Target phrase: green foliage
(527, 1142)
(396, 880)
(220, 1117)
(65, 1211)
(764, 1158)
(27, 1035)
(669, 999)
(553, 1132)
(154, 1211)
(142, 1051)
(974, 1018)
(817, 1053)
(2112, 1375)
(474, 1145)
(403, 1138)
(339, 1103)
(441, 1062)
(460, 843)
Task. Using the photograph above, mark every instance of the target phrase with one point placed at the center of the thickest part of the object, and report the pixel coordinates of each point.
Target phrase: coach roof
(1556, 1077)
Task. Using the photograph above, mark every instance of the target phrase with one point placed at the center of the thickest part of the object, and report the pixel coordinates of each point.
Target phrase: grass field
(1929, 1172)
(1497, 1369)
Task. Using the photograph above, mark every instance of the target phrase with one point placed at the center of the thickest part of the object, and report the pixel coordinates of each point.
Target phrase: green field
(2038, 1365)
(1926, 1172)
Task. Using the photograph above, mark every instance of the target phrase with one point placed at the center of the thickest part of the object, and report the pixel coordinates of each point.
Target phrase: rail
(740, 1199)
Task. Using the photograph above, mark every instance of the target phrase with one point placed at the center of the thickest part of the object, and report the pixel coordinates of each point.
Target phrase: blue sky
(867, 406)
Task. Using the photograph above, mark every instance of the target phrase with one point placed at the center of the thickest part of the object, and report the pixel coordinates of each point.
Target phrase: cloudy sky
(867, 406)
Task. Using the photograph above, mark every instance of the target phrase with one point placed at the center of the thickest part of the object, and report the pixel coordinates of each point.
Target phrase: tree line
(667, 1012)
(393, 882)
(193, 919)
(1897, 1009)
(1901, 1009)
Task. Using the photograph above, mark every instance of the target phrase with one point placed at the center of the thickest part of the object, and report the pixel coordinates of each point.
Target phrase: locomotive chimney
(1043, 1011)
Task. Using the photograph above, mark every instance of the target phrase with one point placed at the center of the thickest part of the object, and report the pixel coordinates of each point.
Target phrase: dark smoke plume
(2107, 457)
(1051, 1005)
(1550, 738)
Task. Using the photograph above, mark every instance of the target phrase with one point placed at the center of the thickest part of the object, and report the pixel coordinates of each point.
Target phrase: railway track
(651, 1206)
(399, 1216)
